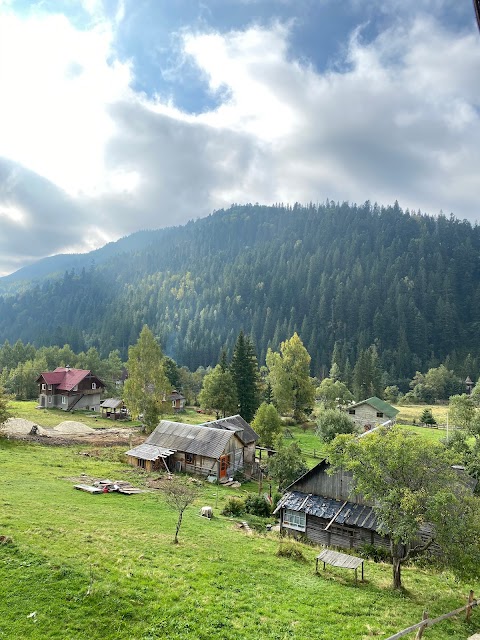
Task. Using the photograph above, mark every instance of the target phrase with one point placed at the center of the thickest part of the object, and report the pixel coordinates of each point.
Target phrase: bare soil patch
(68, 432)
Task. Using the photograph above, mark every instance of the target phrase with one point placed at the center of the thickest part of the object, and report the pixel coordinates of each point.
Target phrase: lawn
(51, 417)
(103, 567)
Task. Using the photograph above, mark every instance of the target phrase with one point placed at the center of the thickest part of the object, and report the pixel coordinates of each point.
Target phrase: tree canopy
(331, 422)
(244, 369)
(412, 485)
(267, 423)
(147, 386)
(289, 375)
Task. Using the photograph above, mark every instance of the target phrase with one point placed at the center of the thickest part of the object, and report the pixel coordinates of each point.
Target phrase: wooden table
(343, 560)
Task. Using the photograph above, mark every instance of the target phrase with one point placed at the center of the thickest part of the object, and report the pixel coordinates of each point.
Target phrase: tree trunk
(397, 573)
(398, 556)
(179, 524)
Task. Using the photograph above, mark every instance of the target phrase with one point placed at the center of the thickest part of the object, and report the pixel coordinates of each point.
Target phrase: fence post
(420, 631)
(469, 605)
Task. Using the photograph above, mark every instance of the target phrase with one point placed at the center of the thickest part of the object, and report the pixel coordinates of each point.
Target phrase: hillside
(336, 274)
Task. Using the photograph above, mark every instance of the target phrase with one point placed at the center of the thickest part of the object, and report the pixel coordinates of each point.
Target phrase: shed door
(224, 463)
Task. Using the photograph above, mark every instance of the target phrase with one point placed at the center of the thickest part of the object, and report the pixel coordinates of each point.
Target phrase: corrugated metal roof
(149, 452)
(235, 423)
(189, 438)
(351, 514)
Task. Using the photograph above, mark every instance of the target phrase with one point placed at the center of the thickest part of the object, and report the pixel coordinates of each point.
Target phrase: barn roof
(348, 513)
(379, 405)
(238, 425)
(190, 438)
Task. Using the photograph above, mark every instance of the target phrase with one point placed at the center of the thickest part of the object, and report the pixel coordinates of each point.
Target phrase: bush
(234, 507)
(291, 549)
(371, 552)
(258, 506)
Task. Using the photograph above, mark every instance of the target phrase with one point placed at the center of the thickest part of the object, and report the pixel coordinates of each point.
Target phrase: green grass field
(411, 412)
(51, 417)
(103, 567)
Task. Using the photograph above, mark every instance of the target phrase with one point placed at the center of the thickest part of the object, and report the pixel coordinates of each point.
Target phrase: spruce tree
(244, 369)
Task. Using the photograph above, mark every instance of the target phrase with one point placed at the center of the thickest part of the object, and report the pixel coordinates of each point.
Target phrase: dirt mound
(70, 427)
(21, 427)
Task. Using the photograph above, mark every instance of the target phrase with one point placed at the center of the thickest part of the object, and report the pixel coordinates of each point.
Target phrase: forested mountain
(342, 275)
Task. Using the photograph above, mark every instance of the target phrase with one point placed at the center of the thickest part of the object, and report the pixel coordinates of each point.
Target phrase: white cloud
(397, 119)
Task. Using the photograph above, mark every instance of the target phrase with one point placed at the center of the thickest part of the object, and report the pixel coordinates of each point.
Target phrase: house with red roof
(66, 388)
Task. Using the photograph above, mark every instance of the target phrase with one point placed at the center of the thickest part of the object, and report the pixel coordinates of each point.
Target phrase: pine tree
(244, 369)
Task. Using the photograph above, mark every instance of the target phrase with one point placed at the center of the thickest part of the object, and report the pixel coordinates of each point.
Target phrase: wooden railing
(429, 622)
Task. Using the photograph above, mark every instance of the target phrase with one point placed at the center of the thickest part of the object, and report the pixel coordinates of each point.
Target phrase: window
(49, 399)
(351, 412)
(189, 458)
(75, 388)
(294, 519)
(64, 399)
(49, 387)
(379, 414)
(94, 386)
(140, 463)
(44, 386)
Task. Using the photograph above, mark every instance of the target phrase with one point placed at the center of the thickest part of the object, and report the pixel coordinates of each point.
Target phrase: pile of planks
(109, 486)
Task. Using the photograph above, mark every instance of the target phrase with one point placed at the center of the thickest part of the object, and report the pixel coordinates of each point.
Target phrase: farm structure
(66, 388)
(113, 408)
(322, 508)
(207, 450)
(371, 413)
(177, 400)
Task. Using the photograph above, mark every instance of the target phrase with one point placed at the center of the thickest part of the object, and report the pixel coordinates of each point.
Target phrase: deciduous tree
(179, 494)
(289, 375)
(218, 392)
(411, 483)
(267, 423)
(331, 422)
(287, 464)
(147, 385)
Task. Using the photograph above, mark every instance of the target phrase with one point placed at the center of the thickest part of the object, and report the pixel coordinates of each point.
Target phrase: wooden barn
(207, 450)
(322, 508)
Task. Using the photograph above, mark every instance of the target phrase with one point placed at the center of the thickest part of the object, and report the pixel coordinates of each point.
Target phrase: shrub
(258, 506)
(371, 552)
(234, 507)
(291, 549)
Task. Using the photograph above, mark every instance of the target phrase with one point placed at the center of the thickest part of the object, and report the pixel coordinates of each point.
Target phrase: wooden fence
(429, 622)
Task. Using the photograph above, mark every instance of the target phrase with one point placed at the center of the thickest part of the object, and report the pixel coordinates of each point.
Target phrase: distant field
(412, 412)
(103, 567)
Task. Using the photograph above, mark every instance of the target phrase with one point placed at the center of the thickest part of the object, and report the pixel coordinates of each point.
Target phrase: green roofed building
(371, 413)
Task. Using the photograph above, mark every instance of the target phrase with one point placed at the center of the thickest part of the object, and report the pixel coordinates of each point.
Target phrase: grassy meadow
(51, 417)
(103, 567)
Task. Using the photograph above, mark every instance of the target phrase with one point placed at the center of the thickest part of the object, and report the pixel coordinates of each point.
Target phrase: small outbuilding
(206, 450)
(113, 408)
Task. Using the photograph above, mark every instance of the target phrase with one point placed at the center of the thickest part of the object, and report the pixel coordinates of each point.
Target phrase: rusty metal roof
(190, 438)
(350, 514)
(149, 452)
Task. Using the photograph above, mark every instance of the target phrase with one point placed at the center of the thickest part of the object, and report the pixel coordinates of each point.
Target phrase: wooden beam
(334, 517)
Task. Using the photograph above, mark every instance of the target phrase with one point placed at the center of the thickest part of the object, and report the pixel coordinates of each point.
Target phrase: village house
(66, 388)
(371, 413)
(177, 400)
(322, 508)
(211, 449)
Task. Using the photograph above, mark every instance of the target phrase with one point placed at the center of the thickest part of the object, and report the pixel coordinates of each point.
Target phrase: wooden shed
(197, 449)
(322, 508)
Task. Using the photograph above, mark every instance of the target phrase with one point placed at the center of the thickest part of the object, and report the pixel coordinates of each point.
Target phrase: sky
(120, 115)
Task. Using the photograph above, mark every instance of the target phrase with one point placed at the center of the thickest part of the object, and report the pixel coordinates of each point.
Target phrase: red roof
(65, 378)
